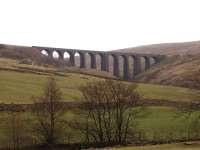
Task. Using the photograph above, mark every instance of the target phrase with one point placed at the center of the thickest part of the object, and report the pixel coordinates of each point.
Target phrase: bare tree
(107, 111)
(49, 111)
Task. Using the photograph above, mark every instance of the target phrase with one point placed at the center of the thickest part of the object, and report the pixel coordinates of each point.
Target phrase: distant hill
(175, 70)
(181, 65)
(27, 54)
(184, 48)
(179, 68)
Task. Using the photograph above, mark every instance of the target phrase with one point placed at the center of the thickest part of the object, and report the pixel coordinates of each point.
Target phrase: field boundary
(72, 105)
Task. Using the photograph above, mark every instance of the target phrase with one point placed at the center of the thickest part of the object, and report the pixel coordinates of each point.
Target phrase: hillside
(15, 77)
(184, 48)
(20, 82)
(180, 66)
(27, 55)
(175, 70)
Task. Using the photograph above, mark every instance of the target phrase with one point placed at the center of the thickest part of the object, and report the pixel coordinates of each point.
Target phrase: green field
(159, 124)
(18, 87)
(160, 147)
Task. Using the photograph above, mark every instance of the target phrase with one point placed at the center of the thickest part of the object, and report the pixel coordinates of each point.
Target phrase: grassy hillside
(177, 70)
(183, 63)
(20, 82)
(174, 71)
(184, 48)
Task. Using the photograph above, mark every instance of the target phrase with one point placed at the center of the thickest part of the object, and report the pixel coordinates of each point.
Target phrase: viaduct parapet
(118, 58)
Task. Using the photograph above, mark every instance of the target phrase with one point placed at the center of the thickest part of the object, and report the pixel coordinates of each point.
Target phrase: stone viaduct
(105, 56)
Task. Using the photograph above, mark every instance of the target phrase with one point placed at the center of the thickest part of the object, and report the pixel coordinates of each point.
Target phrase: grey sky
(98, 24)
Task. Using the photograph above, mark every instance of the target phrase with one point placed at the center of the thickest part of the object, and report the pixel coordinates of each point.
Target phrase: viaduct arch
(104, 60)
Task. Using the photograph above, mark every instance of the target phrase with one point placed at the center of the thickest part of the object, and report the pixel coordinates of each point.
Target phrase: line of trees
(106, 116)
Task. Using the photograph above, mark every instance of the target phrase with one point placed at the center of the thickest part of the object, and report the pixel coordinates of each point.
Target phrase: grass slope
(177, 71)
(19, 82)
(181, 48)
(17, 87)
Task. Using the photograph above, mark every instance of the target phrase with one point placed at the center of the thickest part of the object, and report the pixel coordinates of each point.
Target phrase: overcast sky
(98, 24)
